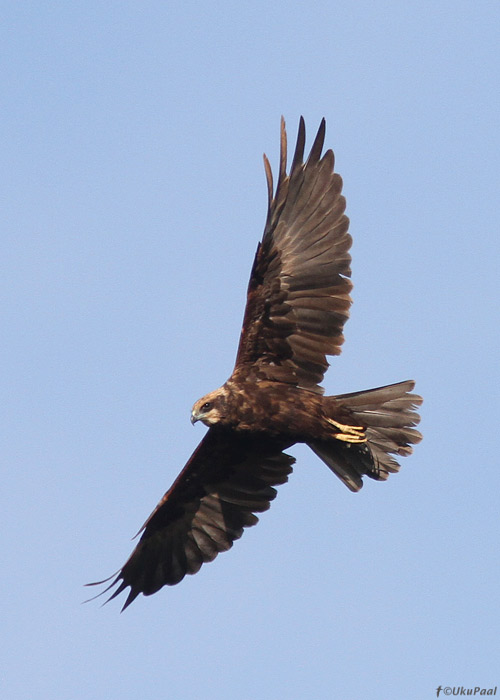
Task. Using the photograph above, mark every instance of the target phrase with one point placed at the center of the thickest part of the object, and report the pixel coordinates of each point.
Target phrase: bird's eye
(206, 406)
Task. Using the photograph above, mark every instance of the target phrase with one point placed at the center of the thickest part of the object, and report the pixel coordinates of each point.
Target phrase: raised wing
(298, 295)
(226, 481)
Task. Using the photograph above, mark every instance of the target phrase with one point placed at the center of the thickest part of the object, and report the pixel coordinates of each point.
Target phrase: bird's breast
(276, 409)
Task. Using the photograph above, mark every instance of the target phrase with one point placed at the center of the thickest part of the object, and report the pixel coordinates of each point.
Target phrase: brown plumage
(298, 301)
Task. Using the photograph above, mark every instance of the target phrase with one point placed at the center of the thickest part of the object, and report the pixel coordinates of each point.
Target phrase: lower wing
(226, 481)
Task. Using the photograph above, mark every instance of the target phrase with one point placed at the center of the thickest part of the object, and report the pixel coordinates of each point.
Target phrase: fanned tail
(386, 418)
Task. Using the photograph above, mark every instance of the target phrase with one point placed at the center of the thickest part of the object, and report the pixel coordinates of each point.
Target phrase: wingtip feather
(319, 141)
(298, 156)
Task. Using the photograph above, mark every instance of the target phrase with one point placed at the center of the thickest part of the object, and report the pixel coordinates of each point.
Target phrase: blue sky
(133, 199)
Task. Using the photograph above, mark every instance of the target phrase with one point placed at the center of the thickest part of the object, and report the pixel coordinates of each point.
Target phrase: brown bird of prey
(298, 301)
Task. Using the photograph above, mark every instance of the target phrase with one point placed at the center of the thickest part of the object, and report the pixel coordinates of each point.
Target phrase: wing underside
(225, 483)
(299, 290)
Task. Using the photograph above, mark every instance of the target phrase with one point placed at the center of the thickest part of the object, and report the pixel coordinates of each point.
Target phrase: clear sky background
(133, 200)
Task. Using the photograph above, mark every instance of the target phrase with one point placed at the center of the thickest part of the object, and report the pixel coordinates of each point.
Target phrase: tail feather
(388, 416)
(349, 462)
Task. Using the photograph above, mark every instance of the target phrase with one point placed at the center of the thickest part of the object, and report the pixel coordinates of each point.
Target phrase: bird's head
(210, 408)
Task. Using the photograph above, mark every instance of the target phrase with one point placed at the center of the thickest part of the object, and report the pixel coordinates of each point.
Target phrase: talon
(350, 438)
(350, 433)
(352, 429)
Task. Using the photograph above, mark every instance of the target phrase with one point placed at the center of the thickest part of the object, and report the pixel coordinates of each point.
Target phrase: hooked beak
(194, 418)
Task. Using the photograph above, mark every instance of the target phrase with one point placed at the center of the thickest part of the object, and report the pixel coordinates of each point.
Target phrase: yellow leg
(349, 433)
(349, 438)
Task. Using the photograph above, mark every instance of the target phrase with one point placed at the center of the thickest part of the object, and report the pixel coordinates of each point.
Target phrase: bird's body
(298, 301)
(279, 410)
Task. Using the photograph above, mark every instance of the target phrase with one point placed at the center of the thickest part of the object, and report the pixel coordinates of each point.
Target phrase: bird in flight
(297, 303)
